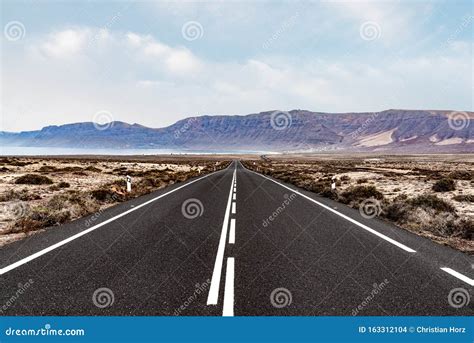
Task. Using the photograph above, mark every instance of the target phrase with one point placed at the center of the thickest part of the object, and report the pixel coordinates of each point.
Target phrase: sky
(156, 62)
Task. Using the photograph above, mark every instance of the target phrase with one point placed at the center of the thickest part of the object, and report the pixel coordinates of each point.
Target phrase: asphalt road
(233, 242)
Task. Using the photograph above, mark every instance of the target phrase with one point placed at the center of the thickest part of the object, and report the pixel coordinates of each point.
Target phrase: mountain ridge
(279, 131)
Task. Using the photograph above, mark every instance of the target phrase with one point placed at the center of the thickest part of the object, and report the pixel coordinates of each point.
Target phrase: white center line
(459, 276)
(365, 227)
(228, 309)
(233, 196)
(85, 232)
(232, 231)
(213, 296)
(233, 207)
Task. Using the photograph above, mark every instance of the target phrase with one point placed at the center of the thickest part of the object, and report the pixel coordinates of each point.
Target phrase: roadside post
(129, 184)
(333, 183)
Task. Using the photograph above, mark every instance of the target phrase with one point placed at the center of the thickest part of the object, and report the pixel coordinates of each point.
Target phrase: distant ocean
(36, 151)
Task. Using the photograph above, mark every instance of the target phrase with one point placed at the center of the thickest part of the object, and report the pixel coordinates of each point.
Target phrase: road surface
(232, 243)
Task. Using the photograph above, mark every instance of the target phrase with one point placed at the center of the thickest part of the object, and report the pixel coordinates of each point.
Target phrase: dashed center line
(213, 296)
(228, 310)
(232, 231)
(233, 207)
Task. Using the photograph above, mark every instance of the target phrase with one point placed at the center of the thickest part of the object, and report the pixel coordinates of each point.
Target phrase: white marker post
(333, 184)
(129, 184)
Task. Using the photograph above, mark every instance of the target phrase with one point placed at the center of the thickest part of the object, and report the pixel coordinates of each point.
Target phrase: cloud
(65, 43)
(139, 78)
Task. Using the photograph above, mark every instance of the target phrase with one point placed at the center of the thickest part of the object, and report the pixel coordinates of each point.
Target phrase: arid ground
(430, 195)
(40, 192)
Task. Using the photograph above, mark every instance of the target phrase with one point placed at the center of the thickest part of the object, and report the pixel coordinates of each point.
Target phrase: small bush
(33, 179)
(64, 184)
(464, 198)
(106, 195)
(396, 212)
(360, 193)
(433, 202)
(93, 169)
(444, 185)
(360, 181)
(461, 175)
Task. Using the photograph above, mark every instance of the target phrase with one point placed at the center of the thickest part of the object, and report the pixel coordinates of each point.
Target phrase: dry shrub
(444, 185)
(33, 179)
(430, 201)
(464, 198)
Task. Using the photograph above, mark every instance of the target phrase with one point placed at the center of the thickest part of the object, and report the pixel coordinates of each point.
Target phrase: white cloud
(66, 43)
(140, 79)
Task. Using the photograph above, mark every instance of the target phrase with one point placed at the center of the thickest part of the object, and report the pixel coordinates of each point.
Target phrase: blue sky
(155, 62)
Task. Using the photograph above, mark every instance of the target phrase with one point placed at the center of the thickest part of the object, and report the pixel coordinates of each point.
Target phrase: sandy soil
(82, 175)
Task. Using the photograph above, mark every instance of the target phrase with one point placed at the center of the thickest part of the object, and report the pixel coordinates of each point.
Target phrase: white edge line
(459, 276)
(365, 227)
(85, 232)
(228, 308)
(213, 296)
(232, 231)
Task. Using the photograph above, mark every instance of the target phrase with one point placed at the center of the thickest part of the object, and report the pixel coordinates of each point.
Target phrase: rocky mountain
(297, 130)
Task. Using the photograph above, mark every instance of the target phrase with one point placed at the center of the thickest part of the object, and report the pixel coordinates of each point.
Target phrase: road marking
(213, 296)
(85, 232)
(228, 310)
(233, 196)
(459, 276)
(232, 231)
(365, 227)
(233, 207)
